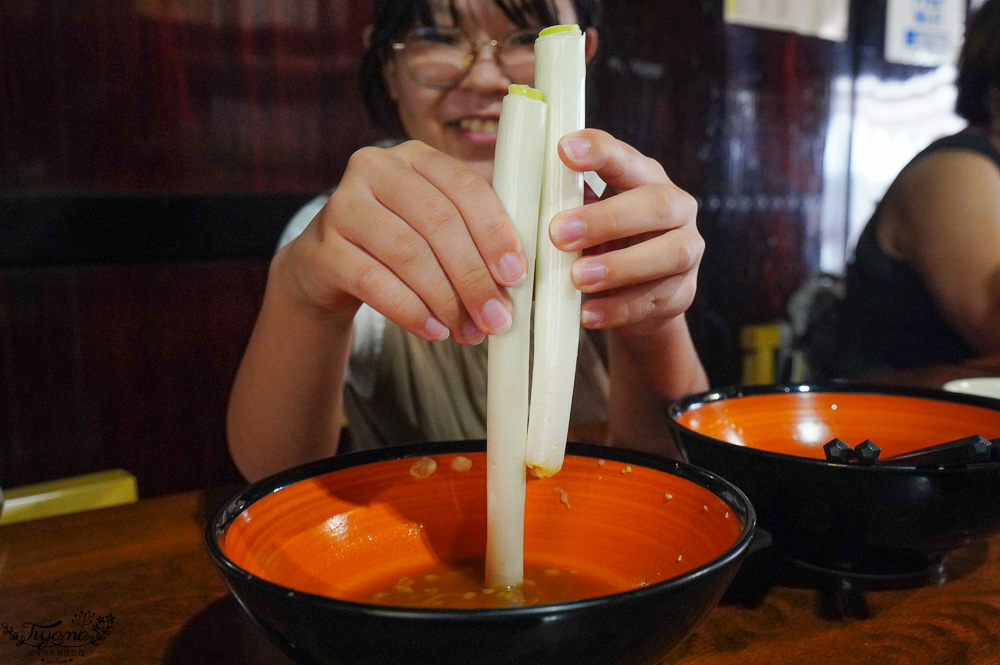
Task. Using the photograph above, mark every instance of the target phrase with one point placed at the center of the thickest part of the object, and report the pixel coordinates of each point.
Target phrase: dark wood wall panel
(122, 366)
(142, 188)
(738, 116)
(181, 96)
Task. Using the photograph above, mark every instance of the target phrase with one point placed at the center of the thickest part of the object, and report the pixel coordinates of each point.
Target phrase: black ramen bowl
(874, 520)
(295, 548)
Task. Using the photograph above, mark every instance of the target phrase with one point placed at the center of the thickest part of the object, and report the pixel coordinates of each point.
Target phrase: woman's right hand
(420, 237)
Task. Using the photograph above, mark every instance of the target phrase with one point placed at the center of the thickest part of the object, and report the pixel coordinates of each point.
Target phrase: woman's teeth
(478, 125)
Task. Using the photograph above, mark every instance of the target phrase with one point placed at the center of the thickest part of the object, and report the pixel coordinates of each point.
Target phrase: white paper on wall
(924, 32)
(815, 18)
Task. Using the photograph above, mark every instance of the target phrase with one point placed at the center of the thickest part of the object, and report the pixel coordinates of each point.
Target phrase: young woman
(924, 284)
(412, 253)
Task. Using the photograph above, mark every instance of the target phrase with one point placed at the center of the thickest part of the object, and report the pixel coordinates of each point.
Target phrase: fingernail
(435, 330)
(511, 269)
(565, 231)
(591, 317)
(576, 148)
(472, 333)
(496, 317)
(587, 273)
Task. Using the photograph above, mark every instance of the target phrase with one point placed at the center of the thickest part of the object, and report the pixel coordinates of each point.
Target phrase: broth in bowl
(800, 422)
(450, 586)
(375, 533)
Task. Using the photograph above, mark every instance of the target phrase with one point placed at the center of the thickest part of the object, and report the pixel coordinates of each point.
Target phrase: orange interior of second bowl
(799, 423)
(340, 533)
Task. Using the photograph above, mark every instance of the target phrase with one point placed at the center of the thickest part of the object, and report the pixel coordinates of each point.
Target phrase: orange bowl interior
(343, 532)
(799, 423)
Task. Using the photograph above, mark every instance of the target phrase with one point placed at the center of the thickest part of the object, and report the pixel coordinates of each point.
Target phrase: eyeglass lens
(439, 57)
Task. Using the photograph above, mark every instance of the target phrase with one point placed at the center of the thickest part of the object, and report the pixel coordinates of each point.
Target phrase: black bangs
(521, 13)
(424, 15)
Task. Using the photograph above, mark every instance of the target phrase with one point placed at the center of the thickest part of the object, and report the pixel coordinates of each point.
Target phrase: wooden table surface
(145, 565)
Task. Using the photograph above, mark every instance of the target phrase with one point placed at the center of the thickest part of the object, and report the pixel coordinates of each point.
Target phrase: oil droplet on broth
(461, 464)
(423, 468)
(462, 587)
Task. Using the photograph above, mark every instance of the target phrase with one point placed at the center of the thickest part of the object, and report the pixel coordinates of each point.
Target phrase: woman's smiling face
(461, 121)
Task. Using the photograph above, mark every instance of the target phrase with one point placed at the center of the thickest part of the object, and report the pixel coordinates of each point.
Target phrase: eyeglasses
(440, 57)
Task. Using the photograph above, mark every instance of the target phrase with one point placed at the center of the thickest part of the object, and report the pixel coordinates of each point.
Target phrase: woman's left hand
(641, 244)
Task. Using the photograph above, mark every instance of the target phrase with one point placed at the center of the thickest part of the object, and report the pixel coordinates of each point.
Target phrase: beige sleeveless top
(436, 391)
(414, 390)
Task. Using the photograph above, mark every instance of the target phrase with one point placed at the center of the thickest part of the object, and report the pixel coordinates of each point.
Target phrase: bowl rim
(682, 405)
(716, 484)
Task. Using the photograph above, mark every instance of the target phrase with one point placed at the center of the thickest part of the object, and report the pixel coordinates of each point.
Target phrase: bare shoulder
(936, 195)
(949, 183)
(948, 173)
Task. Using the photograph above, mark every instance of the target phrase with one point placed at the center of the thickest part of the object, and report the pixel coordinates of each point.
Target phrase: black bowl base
(903, 572)
(841, 591)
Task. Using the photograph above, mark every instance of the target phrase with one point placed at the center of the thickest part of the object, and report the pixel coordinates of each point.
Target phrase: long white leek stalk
(517, 177)
(560, 71)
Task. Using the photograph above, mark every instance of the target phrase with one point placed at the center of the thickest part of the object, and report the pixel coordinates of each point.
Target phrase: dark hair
(391, 18)
(979, 65)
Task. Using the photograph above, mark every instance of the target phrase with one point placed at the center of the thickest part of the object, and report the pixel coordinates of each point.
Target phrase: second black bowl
(871, 520)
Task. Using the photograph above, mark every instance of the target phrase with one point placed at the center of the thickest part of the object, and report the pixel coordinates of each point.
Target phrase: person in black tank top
(923, 286)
